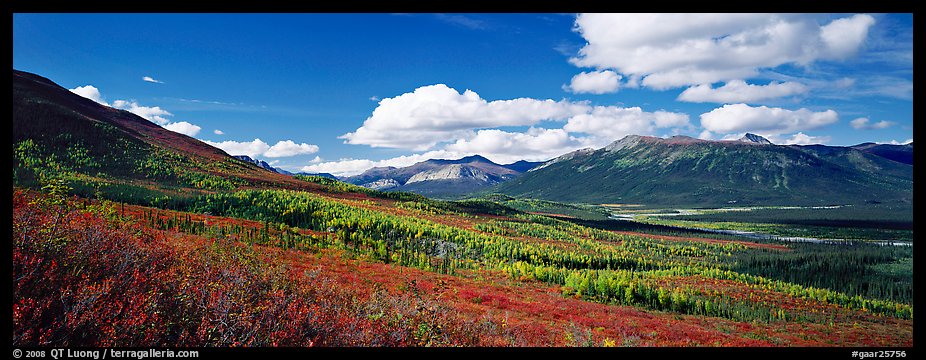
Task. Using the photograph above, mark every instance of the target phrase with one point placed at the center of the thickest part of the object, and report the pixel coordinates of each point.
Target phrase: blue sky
(344, 92)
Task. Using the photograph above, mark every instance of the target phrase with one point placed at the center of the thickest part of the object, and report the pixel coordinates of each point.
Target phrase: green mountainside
(685, 171)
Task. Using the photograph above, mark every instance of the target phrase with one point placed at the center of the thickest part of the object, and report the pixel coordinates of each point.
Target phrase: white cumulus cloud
(259, 148)
(183, 127)
(287, 148)
(801, 139)
(252, 148)
(151, 113)
(612, 123)
(152, 80)
(344, 167)
(764, 120)
(864, 124)
(594, 82)
(218, 132)
(537, 144)
(348, 167)
(738, 91)
(154, 114)
(437, 113)
(706, 135)
(842, 37)
(673, 50)
(89, 92)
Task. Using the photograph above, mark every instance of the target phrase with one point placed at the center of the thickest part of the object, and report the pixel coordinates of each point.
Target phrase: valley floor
(185, 287)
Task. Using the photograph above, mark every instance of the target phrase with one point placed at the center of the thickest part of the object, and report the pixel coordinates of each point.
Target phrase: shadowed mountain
(899, 153)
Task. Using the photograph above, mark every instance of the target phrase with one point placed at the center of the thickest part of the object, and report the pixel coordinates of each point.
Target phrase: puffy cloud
(151, 113)
(343, 167)
(738, 91)
(595, 82)
(537, 144)
(801, 139)
(183, 127)
(258, 148)
(436, 113)
(863, 124)
(764, 120)
(673, 50)
(287, 148)
(348, 167)
(89, 92)
(157, 115)
(252, 149)
(706, 135)
(152, 80)
(842, 37)
(612, 122)
(218, 132)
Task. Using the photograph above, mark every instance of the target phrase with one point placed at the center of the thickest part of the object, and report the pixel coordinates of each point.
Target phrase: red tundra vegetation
(93, 274)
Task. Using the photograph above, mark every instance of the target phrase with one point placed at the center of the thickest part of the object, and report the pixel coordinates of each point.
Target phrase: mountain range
(441, 177)
(58, 134)
(750, 171)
